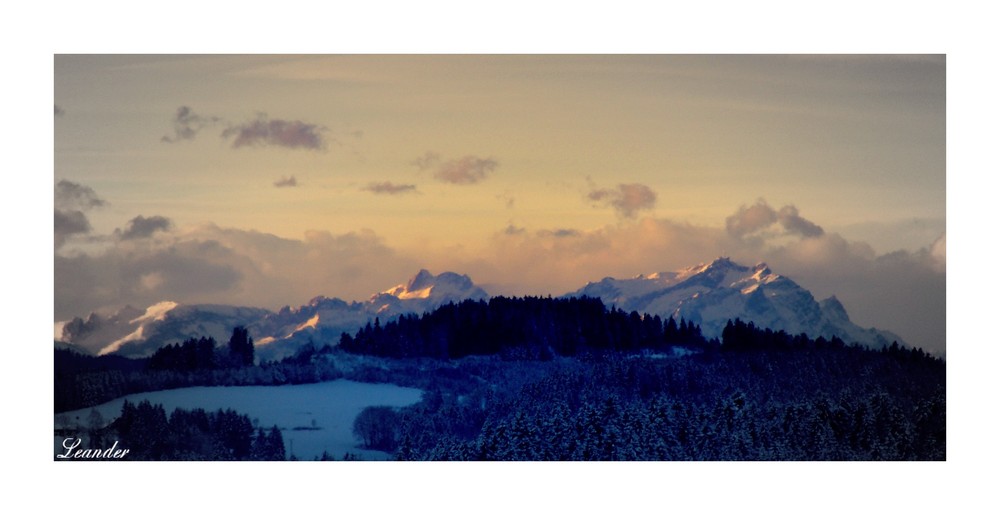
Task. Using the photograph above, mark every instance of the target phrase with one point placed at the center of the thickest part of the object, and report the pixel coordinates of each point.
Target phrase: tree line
(149, 433)
(82, 380)
(521, 328)
(204, 354)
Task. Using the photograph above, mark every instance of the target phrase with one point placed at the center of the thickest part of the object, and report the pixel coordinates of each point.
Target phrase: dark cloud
(512, 230)
(71, 195)
(388, 188)
(187, 125)
(143, 227)
(263, 131)
(69, 223)
(286, 182)
(259, 132)
(60, 111)
(559, 233)
(467, 170)
(761, 216)
(789, 218)
(142, 276)
(427, 161)
(71, 200)
(191, 267)
(901, 291)
(627, 200)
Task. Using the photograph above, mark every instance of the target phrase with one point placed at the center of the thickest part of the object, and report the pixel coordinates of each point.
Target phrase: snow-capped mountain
(324, 319)
(708, 295)
(425, 292)
(711, 294)
(134, 332)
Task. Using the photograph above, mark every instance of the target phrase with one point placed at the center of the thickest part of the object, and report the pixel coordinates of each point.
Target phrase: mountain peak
(722, 261)
(446, 285)
(719, 265)
(711, 294)
(420, 281)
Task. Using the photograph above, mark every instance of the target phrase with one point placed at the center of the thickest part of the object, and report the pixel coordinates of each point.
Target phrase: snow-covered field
(330, 406)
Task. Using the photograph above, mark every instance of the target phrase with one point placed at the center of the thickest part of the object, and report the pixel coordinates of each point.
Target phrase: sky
(266, 180)
(962, 30)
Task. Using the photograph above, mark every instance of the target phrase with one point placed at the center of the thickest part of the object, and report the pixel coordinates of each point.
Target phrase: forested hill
(543, 327)
(577, 381)
(525, 328)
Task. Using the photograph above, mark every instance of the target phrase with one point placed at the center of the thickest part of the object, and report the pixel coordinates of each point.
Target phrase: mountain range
(707, 294)
(712, 294)
(135, 333)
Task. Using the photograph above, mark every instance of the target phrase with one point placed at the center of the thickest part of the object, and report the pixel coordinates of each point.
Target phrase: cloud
(147, 274)
(512, 230)
(263, 131)
(187, 125)
(627, 199)
(757, 219)
(901, 291)
(388, 188)
(467, 170)
(559, 233)
(71, 200)
(789, 218)
(427, 161)
(751, 219)
(59, 111)
(937, 253)
(209, 264)
(286, 182)
(71, 195)
(69, 223)
(142, 227)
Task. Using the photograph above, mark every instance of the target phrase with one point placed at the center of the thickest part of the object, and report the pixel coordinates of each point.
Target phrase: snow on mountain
(155, 313)
(97, 331)
(323, 319)
(711, 294)
(425, 292)
(707, 294)
(133, 332)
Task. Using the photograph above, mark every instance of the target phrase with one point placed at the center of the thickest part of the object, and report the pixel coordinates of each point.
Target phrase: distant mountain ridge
(711, 294)
(135, 333)
(707, 294)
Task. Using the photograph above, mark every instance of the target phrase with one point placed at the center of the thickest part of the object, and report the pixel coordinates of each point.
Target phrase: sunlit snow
(308, 323)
